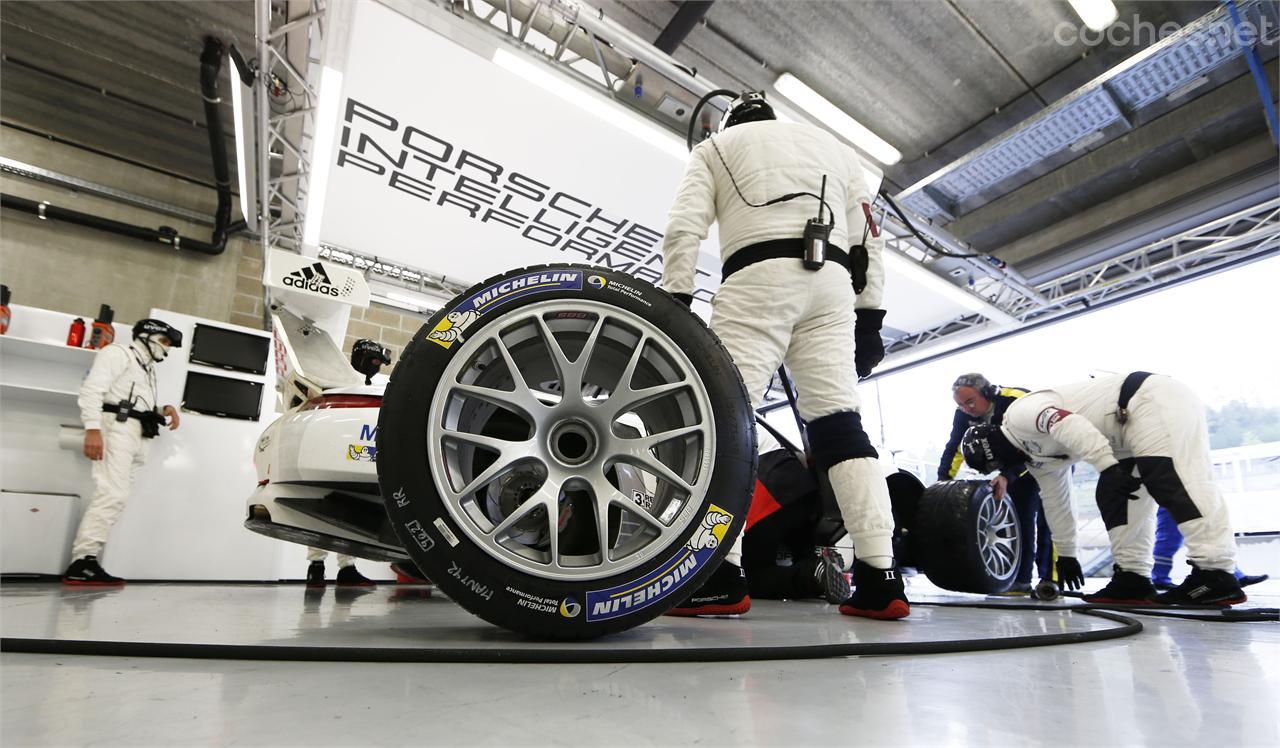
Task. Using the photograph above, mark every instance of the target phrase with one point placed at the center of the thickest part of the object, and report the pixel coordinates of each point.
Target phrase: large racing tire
(964, 540)
(566, 451)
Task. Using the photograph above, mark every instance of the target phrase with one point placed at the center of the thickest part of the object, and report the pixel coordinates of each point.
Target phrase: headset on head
(978, 382)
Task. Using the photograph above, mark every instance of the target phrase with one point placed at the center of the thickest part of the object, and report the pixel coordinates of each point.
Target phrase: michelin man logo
(714, 526)
(450, 329)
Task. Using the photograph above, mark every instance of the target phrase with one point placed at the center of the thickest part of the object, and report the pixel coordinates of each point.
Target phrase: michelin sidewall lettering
(513, 597)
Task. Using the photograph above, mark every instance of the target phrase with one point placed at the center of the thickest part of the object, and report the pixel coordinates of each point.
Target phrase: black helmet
(368, 356)
(986, 448)
(152, 326)
(750, 106)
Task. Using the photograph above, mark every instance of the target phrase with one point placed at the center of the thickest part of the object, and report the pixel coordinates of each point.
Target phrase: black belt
(1127, 391)
(776, 249)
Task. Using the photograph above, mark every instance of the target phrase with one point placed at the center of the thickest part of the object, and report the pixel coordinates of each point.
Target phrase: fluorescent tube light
(834, 117)
(236, 76)
(612, 113)
(1096, 14)
(322, 147)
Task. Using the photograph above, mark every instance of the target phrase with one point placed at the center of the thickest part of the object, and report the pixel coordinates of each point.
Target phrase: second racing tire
(964, 539)
(566, 451)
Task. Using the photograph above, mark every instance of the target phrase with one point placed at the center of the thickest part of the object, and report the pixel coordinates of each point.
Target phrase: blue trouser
(1037, 542)
(1168, 541)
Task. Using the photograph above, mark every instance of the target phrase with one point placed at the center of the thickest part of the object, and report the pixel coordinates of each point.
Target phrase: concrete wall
(73, 269)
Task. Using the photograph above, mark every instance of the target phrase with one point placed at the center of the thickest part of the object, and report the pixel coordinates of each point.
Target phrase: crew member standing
(979, 401)
(1150, 424)
(776, 188)
(118, 407)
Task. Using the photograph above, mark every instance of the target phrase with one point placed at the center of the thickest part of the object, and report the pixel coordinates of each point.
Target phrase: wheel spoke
(519, 400)
(519, 513)
(505, 449)
(644, 460)
(647, 443)
(488, 475)
(629, 399)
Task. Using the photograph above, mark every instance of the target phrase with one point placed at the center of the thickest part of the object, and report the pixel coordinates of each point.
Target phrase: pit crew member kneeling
(790, 200)
(1146, 436)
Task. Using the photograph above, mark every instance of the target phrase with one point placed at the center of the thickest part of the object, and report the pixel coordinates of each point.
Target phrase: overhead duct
(210, 66)
(686, 18)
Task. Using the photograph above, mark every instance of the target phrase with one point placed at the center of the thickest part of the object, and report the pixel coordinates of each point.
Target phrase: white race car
(317, 463)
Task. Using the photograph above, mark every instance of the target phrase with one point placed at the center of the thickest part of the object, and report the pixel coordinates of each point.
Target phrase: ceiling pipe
(210, 67)
(686, 18)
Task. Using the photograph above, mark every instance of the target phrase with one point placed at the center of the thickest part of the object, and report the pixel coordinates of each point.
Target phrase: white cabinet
(36, 530)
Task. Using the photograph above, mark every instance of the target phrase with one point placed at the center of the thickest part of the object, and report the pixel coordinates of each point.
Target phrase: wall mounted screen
(224, 397)
(230, 349)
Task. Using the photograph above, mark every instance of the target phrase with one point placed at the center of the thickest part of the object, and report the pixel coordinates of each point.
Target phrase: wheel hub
(573, 443)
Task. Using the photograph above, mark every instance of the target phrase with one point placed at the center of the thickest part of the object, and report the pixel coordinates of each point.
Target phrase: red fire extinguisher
(75, 337)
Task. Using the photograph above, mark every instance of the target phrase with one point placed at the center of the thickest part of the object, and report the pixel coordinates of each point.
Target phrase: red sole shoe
(78, 583)
(733, 609)
(892, 612)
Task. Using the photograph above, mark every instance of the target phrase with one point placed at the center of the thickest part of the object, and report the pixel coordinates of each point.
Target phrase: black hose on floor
(536, 654)
(1225, 615)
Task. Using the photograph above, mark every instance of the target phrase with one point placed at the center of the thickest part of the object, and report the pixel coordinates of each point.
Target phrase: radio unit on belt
(816, 235)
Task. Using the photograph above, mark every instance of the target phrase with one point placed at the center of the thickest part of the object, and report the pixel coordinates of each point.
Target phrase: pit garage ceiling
(937, 79)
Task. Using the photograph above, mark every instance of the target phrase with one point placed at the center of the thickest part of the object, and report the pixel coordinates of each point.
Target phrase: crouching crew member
(979, 401)
(784, 300)
(1146, 436)
(119, 410)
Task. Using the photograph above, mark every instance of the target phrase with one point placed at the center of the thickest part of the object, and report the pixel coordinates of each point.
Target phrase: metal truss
(1249, 234)
(286, 95)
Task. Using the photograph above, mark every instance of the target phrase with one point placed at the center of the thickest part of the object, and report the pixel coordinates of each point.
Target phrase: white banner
(445, 161)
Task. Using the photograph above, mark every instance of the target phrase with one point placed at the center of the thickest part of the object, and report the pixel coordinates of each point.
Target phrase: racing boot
(723, 594)
(1205, 587)
(877, 593)
(1125, 588)
(827, 578)
(350, 576)
(87, 572)
(315, 574)
(1247, 579)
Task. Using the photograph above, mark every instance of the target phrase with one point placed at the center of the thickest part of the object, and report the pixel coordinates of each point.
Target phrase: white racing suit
(776, 311)
(320, 554)
(1165, 439)
(119, 372)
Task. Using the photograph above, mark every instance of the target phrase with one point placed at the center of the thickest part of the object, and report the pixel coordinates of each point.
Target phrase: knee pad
(1164, 485)
(1115, 509)
(839, 437)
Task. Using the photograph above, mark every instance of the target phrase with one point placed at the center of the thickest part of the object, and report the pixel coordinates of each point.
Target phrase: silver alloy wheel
(544, 477)
(998, 540)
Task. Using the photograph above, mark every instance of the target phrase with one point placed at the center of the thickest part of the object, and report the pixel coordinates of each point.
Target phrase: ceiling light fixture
(795, 90)
(318, 180)
(612, 113)
(941, 286)
(1096, 14)
(241, 80)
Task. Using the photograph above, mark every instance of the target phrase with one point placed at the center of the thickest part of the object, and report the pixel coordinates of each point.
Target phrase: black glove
(1117, 483)
(684, 298)
(1070, 575)
(868, 347)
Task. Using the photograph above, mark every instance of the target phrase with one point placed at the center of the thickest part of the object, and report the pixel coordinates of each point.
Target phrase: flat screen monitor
(230, 349)
(222, 396)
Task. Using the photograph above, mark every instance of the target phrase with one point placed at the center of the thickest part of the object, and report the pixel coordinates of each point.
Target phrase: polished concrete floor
(1176, 683)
